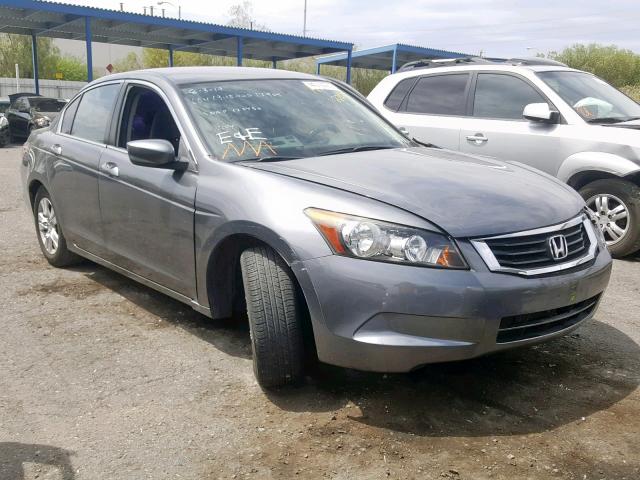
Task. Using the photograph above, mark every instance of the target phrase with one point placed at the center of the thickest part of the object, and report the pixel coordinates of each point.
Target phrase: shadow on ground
(521, 391)
(15, 457)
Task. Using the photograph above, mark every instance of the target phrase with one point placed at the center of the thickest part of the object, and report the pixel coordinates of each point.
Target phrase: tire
(57, 255)
(619, 192)
(274, 317)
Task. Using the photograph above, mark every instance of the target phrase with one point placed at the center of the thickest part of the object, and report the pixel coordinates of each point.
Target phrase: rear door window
(94, 113)
(503, 96)
(439, 95)
(395, 98)
(69, 114)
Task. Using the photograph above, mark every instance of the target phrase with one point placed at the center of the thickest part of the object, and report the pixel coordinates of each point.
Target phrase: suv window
(146, 116)
(69, 114)
(94, 113)
(395, 98)
(439, 95)
(503, 96)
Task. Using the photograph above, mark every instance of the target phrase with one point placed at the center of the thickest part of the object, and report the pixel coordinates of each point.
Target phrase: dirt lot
(101, 378)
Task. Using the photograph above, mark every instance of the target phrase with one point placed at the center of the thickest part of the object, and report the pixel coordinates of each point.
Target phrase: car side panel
(147, 215)
(540, 145)
(73, 185)
(442, 131)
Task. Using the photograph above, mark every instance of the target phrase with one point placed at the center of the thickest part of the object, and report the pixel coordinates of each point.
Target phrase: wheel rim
(612, 216)
(48, 226)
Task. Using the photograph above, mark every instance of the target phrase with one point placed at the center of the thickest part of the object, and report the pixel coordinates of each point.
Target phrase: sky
(500, 28)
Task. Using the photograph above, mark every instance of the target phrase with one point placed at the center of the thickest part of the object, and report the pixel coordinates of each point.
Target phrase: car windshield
(46, 104)
(592, 98)
(284, 119)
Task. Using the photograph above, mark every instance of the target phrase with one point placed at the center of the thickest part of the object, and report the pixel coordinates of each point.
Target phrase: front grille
(528, 252)
(531, 325)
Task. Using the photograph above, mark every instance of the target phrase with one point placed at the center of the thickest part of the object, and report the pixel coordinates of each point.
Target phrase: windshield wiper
(362, 148)
(424, 144)
(272, 158)
(610, 120)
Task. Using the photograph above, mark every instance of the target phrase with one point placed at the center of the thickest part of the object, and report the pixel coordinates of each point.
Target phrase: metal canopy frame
(387, 57)
(60, 20)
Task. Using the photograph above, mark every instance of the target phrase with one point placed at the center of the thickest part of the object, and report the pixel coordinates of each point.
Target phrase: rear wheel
(274, 317)
(50, 236)
(616, 205)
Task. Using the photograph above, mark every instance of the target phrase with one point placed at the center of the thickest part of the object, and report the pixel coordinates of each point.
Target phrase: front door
(496, 127)
(148, 213)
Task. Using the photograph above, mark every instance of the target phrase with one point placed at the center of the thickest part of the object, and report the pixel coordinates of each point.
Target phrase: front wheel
(50, 236)
(616, 205)
(274, 317)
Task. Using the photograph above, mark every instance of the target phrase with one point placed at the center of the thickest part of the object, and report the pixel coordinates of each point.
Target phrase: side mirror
(540, 112)
(154, 153)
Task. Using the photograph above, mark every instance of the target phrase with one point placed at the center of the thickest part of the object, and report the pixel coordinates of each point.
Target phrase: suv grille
(531, 325)
(532, 251)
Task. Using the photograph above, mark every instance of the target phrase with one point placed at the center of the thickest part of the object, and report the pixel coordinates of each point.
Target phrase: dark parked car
(286, 195)
(27, 113)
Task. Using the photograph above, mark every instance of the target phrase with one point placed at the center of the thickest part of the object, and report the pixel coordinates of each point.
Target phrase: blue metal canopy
(90, 24)
(388, 57)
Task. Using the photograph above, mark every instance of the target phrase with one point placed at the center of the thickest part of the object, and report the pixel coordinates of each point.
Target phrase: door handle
(478, 139)
(56, 149)
(110, 168)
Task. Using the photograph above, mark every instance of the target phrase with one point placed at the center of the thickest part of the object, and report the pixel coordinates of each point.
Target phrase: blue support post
(239, 52)
(274, 63)
(394, 61)
(171, 55)
(34, 59)
(87, 34)
(317, 68)
(349, 52)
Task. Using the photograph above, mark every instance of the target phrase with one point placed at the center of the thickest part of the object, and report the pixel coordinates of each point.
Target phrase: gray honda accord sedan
(287, 196)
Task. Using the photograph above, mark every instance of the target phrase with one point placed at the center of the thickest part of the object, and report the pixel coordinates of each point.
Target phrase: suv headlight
(41, 121)
(369, 239)
(3, 121)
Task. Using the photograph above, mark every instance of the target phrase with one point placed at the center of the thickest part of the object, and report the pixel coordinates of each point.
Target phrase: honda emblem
(558, 247)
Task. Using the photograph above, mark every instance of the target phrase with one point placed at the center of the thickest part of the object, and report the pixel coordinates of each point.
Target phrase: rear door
(497, 128)
(432, 109)
(75, 155)
(148, 213)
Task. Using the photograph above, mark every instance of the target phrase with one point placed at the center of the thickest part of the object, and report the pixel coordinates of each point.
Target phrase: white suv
(566, 122)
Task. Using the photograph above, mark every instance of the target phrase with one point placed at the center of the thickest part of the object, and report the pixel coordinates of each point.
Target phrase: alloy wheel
(48, 226)
(612, 216)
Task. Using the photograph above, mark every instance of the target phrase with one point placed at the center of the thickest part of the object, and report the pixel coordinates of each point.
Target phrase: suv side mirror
(154, 153)
(540, 112)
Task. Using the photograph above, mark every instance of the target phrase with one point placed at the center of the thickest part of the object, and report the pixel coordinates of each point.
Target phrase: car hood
(465, 195)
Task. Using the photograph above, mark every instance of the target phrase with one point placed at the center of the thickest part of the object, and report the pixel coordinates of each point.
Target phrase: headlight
(3, 121)
(41, 121)
(369, 239)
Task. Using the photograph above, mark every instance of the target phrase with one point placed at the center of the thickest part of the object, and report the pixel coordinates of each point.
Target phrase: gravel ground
(103, 378)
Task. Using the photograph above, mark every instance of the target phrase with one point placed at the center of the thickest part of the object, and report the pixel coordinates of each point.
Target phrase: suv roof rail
(535, 61)
(442, 62)
(452, 62)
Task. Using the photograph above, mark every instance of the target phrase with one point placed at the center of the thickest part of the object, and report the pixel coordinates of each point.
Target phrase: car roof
(187, 75)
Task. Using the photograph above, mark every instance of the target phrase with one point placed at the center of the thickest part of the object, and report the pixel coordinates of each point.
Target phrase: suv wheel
(50, 237)
(616, 204)
(274, 317)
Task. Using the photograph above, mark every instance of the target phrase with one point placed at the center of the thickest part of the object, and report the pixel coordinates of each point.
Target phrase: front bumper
(393, 318)
(5, 136)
